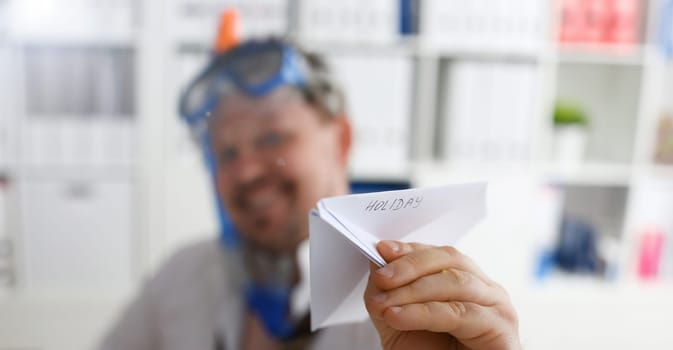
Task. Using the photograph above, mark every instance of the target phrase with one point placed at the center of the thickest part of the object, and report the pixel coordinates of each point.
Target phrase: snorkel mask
(253, 68)
(256, 69)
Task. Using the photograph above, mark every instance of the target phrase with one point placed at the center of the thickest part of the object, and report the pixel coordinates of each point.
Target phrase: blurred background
(564, 106)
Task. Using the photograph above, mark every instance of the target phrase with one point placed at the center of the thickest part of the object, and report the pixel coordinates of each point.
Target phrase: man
(274, 128)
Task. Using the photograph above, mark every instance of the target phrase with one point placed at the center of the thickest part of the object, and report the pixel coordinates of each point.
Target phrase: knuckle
(411, 263)
(375, 280)
(460, 278)
(427, 313)
(405, 248)
(427, 309)
(457, 308)
(420, 246)
(509, 314)
(500, 291)
(397, 321)
(416, 288)
(451, 250)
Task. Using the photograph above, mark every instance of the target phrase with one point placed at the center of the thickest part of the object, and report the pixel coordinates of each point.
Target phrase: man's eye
(227, 155)
(270, 139)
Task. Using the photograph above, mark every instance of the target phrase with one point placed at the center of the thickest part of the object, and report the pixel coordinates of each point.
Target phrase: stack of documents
(344, 232)
(507, 27)
(491, 112)
(196, 21)
(346, 21)
(380, 88)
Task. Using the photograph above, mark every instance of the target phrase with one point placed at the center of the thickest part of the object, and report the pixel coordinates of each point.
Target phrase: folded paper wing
(344, 231)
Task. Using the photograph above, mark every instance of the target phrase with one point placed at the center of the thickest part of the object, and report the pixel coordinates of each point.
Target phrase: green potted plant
(570, 133)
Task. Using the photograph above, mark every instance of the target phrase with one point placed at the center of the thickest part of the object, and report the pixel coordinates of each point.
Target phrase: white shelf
(77, 172)
(433, 173)
(581, 174)
(602, 174)
(75, 23)
(403, 46)
(114, 40)
(412, 46)
(564, 286)
(656, 171)
(628, 55)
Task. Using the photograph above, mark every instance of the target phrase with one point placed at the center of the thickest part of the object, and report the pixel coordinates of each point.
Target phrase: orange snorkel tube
(228, 32)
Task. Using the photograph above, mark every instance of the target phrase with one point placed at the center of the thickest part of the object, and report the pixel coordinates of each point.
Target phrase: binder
(349, 21)
(483, 26)
(196, 21)
(490, 111)
(379, 90)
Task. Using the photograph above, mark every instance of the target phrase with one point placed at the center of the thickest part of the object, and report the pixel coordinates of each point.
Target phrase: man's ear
(344, 138)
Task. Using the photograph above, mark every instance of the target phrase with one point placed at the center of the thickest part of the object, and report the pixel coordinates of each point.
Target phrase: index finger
(411, 261)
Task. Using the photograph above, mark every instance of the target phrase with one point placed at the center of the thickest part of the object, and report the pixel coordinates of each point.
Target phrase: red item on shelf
(624, 21)
(572, 22)
(597, 15)
(651, 244)
(599, 22)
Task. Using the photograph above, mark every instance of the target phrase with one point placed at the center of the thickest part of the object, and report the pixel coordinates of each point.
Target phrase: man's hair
(322, 90)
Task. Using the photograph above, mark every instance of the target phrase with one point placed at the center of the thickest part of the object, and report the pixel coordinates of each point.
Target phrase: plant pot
(570, 144)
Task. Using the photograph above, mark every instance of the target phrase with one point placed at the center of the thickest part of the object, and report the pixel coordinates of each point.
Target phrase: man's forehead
(238, 105)
(239, 115)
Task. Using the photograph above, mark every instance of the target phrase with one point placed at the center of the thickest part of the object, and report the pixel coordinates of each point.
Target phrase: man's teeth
(261, 200)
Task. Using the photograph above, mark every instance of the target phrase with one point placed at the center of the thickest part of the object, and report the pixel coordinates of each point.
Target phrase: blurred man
(274, 128)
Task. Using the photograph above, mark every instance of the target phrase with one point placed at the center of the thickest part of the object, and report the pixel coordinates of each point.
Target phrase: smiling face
(276, 157)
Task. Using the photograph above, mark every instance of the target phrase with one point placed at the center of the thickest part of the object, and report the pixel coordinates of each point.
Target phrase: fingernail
(379, 298)
(392, 245)
(386, 271)
(396, 309)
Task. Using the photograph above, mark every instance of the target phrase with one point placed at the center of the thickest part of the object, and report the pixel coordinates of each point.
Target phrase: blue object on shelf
(545, 264)
(409, 16)
(666, 29)
(367, 187)
(576, 250)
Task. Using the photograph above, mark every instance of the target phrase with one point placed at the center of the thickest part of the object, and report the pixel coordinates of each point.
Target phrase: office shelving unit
(617, 186)
(621, 88)
(76, 121)
(69, 107)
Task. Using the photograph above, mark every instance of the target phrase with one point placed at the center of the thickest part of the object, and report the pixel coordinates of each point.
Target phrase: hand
(430, 297)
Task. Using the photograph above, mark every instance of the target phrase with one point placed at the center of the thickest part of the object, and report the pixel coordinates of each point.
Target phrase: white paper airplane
(344, 232)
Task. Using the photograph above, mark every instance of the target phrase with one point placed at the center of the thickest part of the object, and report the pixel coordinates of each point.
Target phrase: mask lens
(255, 68)
(197, 96)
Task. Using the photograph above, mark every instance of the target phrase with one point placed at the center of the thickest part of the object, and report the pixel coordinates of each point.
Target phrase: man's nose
(249, 167)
